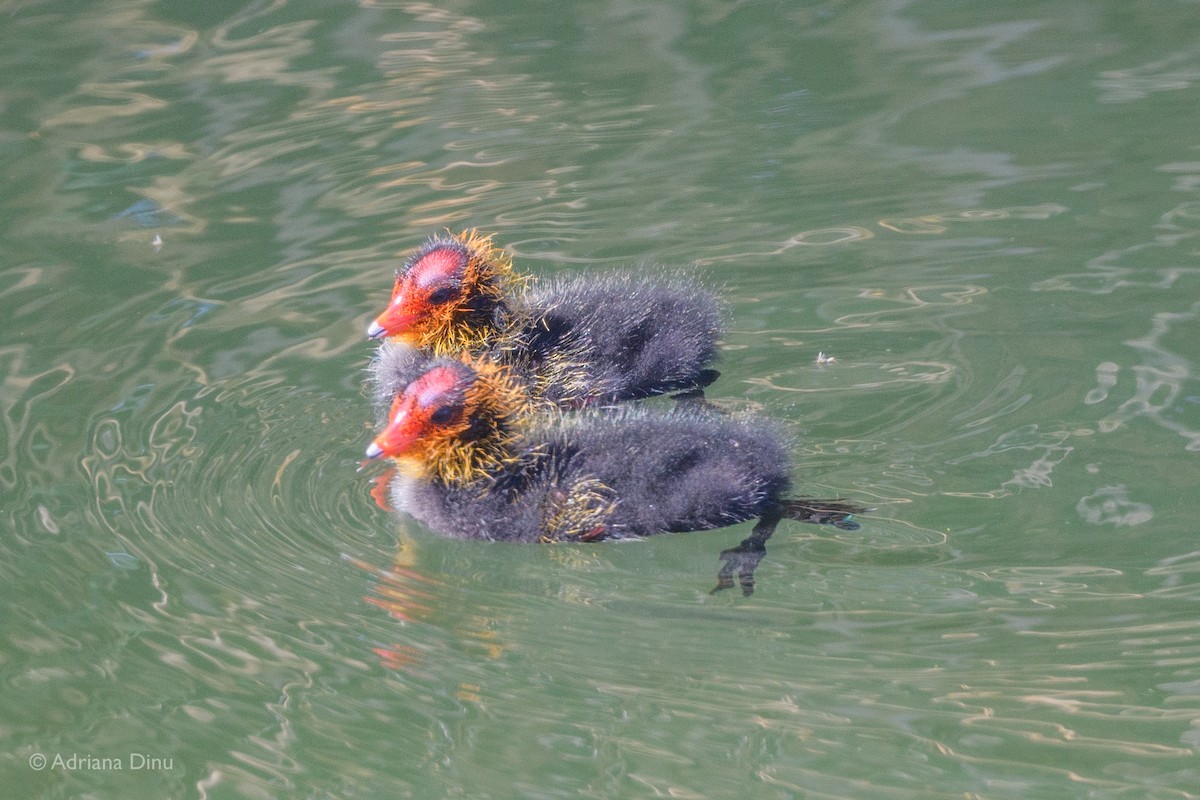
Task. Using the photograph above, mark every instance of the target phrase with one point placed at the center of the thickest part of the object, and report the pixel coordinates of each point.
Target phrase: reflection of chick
(592, 339)
(474, 463)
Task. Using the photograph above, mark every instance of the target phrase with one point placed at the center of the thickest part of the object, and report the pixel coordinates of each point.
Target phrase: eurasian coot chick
(477, 462)
(585, 340)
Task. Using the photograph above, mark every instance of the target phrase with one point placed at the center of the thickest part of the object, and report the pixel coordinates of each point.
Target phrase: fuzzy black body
(614, 337)
(616, 474)
(591, 340)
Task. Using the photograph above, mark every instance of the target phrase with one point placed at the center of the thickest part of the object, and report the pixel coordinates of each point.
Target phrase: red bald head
(429, 287)
(432, 407)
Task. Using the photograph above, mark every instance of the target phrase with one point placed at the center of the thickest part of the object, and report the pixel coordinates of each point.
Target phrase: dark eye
(444, 414)
(443, 295)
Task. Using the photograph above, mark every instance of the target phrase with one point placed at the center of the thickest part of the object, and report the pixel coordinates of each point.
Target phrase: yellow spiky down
(488, 275)
(497, 404)
(563, 376)
(566, 376)
(578, 512)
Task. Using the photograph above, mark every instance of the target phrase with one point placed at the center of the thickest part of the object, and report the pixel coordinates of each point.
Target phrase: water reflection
(1111, 505)
(1160, 381)
(1174, 72)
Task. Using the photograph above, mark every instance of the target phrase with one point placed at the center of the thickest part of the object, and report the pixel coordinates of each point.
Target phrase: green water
(989, 214)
